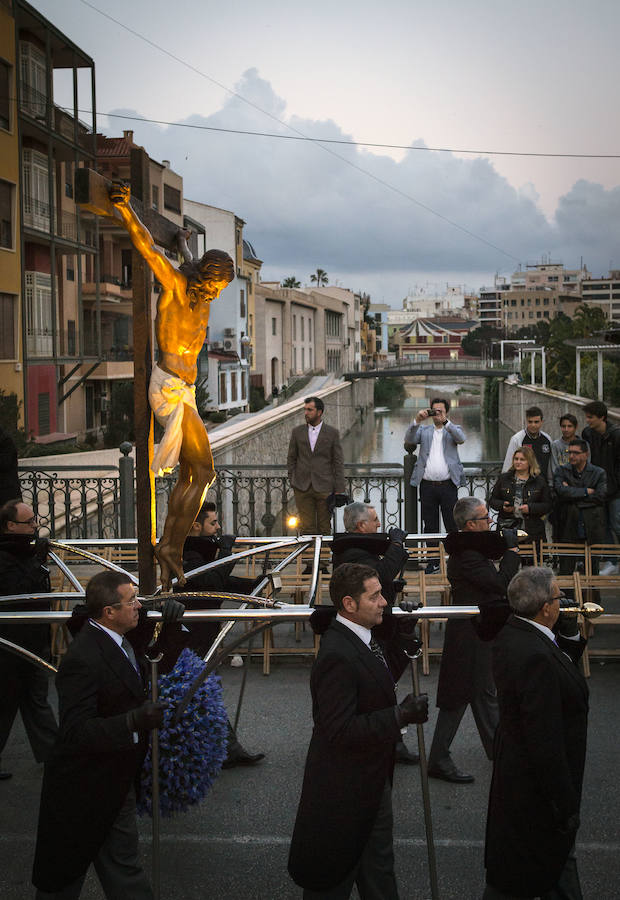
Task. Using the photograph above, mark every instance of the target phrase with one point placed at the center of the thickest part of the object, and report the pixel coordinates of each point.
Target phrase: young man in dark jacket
(604, 441)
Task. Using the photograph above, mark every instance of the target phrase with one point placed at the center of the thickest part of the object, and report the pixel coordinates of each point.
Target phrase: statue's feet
(171, 566)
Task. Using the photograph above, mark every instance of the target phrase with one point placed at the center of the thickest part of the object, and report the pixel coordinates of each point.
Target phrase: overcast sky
(533, 76)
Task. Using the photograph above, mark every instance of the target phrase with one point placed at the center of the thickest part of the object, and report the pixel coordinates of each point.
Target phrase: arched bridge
(475, 367)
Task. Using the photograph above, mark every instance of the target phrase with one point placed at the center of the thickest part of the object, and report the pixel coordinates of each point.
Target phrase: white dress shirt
(313, 434)
(362, 633)
(436, 466)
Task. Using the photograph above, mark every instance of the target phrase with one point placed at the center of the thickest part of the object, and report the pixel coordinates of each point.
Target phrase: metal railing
(251, 500)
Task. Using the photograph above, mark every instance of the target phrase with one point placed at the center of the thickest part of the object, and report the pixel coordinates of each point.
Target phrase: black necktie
(375, 649)
(130, 653)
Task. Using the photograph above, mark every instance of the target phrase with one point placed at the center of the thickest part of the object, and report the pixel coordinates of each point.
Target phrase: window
(274, 325)
(71, 337)
(295, 359)
(242, 304)
(33, 80)
(332, 325)
(302, 337)
(7, 326)
(5, 95)
(7, 239)
(310, 356)
(155, 196)
(310, 331)
(303, 358)
(294, 328)
(223, 392)
(43, 409)
(70, 268)
(172, 199)
(250, 326)
(69, 180)
(39, 333)
(36, 190)
(233, 386)
(126, 268)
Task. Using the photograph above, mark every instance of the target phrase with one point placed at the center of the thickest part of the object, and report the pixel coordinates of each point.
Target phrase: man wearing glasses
(87, 812)
(581, 490)
(540, 746)
(465, 676)
(23, 570)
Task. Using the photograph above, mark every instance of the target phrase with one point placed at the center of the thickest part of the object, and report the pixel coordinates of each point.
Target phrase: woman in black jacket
(522, 496)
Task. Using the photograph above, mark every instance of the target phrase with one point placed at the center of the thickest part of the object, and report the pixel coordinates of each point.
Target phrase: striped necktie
(375, 649)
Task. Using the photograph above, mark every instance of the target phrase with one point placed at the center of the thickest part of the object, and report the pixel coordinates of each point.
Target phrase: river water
(380, 438)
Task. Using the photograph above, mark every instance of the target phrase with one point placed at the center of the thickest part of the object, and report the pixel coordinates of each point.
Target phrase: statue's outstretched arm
(141, 237)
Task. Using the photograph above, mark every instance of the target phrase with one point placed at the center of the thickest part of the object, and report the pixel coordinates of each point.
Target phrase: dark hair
(569, 417)
(317, 402)
(443, 400)
(529, 590)
(579, 442)
(204, 509)
(214, 265)
(532, 411)
(102, 591)
(348, 580)
(596, 408)
(8, 513)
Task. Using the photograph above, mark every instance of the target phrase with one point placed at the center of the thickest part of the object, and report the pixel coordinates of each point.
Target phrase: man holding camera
(439, 471)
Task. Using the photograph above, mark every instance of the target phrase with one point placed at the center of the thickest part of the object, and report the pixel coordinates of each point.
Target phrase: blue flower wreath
(191, 753)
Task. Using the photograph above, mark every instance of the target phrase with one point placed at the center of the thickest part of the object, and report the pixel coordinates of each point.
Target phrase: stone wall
(514, 399)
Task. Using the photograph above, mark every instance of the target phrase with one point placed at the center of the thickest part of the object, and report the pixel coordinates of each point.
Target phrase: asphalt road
(235, 844)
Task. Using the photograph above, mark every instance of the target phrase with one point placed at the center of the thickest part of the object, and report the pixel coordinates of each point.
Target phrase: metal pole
(426, 799)
(127, 493)
(155, 778)
(578, 373)
(411, 494)
(599, 372)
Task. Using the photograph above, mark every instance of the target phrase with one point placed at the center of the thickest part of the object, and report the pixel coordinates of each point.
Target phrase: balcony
(39, 343)
(37, 214)
(111, 289)
(33, 102)
(80, 232)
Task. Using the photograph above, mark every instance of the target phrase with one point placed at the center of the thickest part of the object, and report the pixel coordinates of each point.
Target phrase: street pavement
(235, 844)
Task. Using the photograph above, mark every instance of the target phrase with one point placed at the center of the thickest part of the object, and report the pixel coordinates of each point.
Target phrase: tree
(480, 339)
(291, 282)
(320, 277)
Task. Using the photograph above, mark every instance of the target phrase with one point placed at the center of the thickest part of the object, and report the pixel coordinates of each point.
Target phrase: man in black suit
(315, 466)
(387, 555)
(540, 747)
(87, 812)
(465, 675)
(343, 831)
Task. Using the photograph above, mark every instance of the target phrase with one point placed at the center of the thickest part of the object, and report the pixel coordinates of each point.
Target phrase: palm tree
(291, 282)
(320, 277)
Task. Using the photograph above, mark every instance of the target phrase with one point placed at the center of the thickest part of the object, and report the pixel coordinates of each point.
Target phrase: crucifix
(166, 389)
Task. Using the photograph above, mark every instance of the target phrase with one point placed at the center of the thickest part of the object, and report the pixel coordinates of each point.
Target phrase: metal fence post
(127, 507)
(410, 492)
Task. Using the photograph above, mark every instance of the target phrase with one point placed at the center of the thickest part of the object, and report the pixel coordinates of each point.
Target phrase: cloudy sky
(538, 76)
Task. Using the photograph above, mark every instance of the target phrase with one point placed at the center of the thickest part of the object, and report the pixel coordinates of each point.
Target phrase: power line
(320, 140)
(327, 149)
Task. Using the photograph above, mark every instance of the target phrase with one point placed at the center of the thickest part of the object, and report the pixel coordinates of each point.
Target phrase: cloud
(306, 206)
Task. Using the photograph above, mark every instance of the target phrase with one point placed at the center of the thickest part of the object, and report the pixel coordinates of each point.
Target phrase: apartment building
(299, 330)
(603, 292)
(48, 247)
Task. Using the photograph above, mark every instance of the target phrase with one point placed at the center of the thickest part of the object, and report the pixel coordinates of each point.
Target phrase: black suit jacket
(95, 760)
(466, 652)
(540, 747)
(351, 755)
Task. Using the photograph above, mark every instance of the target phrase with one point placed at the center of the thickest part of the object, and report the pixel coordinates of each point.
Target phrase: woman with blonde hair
(522, 495)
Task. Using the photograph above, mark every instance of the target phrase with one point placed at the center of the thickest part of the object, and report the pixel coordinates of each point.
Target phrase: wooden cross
(92, 194)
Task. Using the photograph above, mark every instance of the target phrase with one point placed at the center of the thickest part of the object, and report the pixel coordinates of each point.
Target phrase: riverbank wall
(514, 399)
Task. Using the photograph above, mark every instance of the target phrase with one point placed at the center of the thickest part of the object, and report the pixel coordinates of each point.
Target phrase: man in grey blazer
(438, 472)
(315, 468)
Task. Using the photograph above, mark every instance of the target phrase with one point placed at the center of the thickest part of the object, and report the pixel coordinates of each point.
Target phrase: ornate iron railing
(251, 500)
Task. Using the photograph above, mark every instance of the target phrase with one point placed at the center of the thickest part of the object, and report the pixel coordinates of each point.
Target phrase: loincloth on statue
(168, 394)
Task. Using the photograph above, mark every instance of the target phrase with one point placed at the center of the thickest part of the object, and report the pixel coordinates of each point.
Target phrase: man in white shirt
(438, 472)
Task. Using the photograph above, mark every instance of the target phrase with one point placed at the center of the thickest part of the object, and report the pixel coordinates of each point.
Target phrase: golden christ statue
(180, 328)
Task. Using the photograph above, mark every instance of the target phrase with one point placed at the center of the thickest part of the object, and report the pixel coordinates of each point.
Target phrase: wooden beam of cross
(92, 194)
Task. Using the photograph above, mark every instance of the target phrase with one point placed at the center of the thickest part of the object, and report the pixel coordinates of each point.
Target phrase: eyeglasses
(31, 521)
(486, 518)
(134, 602)
(561, 596)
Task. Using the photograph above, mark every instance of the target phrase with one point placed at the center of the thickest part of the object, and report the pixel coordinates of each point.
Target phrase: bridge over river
(473, 367)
